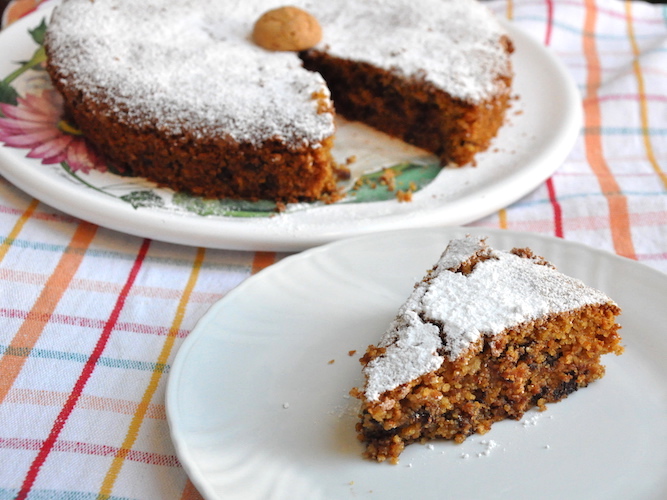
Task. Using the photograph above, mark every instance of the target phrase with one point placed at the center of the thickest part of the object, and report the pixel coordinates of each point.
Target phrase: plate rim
(179, 438)
(295, 235)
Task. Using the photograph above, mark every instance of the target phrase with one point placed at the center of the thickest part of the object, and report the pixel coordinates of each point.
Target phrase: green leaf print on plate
(384, 184)
(146, 198)
(407, 177)
(224, 207)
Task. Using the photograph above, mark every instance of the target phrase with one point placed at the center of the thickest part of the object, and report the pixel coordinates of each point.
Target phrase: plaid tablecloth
(90, 319)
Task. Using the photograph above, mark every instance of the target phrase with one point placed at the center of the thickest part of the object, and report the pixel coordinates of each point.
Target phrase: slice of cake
(485, 336)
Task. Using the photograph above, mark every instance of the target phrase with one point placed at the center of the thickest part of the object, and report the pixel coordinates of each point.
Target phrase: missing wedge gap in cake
(467, 351)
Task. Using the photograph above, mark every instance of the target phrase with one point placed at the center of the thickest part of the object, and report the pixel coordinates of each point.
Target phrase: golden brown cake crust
(213, 167)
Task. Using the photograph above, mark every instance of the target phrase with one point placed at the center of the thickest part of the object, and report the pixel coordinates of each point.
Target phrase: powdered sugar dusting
(411, 350)
(449, 311)
(459, 251)
(453, 44)
(178, 66)
(172, 64)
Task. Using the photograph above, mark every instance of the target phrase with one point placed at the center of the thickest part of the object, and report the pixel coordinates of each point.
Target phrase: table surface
(91, 319)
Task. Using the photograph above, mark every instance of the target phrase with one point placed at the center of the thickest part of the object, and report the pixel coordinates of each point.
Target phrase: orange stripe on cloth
(54, 289)
(502, 218)
(190, 492)
(142, 408)
(85, 402)
(17, 228)
(262, 260)
(619, 219)
(643, 105)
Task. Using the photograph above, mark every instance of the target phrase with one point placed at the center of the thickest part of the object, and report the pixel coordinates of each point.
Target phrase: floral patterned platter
(49, 159)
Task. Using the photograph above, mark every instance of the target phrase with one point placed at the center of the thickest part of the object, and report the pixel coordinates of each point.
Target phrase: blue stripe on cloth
(82, 358)
(10, 494)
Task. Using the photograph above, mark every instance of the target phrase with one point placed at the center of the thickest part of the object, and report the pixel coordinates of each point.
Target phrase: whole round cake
(178, 92)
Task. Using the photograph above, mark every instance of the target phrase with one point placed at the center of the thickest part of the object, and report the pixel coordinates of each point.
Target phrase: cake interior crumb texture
(177, 92)
(485, 336)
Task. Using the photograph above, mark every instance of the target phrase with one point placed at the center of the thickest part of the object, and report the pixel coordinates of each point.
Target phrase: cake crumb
(331, 361)
(342, 172)
(388, 178)
(285, 406)
(352, 353)
(404, 196)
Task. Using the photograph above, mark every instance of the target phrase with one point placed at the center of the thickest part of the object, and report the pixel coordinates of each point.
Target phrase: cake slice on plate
(485, 336)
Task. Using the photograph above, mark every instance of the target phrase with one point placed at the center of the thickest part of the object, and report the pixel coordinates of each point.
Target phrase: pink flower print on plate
(37, 123)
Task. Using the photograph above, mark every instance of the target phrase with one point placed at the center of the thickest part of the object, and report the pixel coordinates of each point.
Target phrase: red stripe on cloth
(633, 97)
(41, 216)
(61, 319)
(558, 213)
(91, 449)
(550, 22)
(88, 368)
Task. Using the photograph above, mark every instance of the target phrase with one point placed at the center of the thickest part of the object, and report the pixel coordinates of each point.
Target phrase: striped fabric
(610, 193)
(90, 319)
